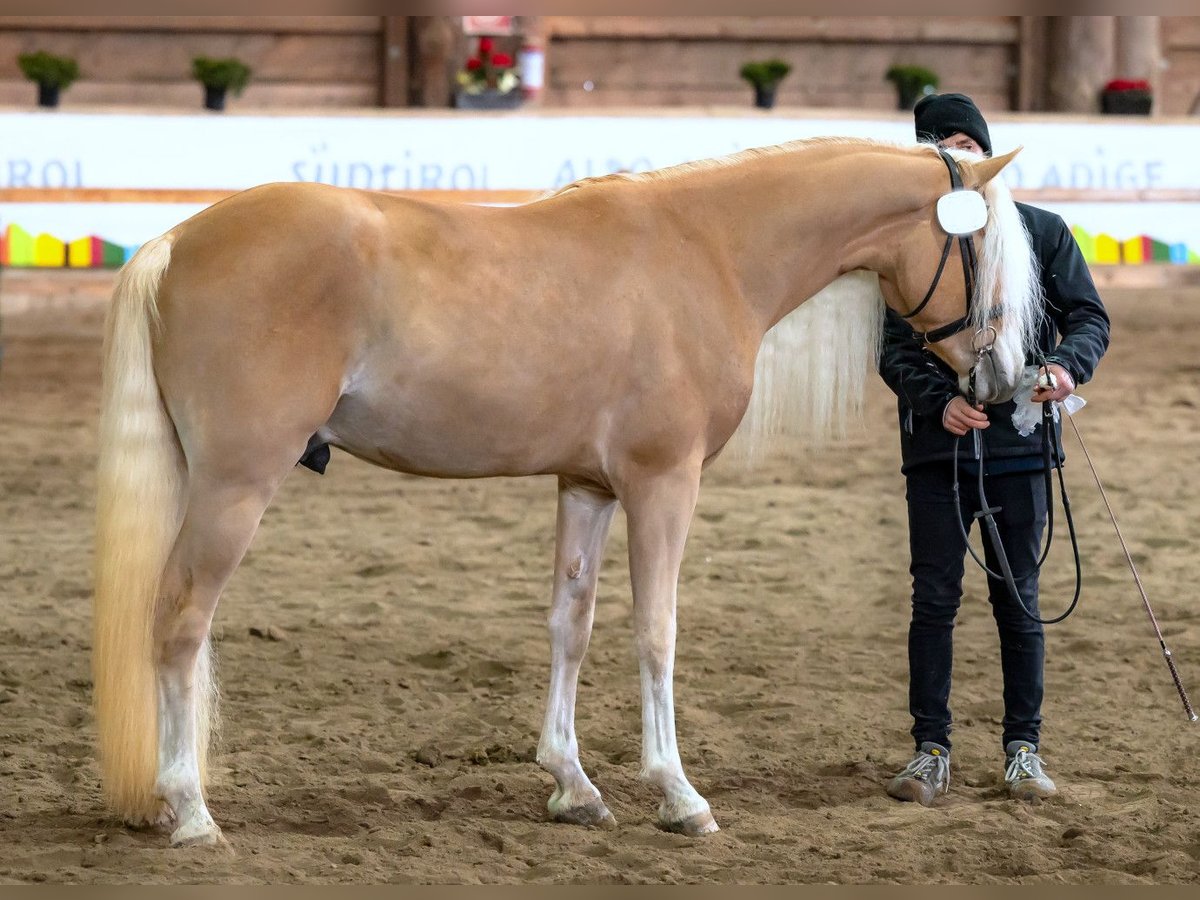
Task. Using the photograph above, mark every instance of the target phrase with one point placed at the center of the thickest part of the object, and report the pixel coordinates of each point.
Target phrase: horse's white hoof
(202, 836)
(593, 815)
(694, 826)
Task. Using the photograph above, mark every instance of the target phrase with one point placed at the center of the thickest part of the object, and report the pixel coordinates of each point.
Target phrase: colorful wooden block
(79, 253)
(1087, 243)
(49, 252)
(113, 256)
(20, 246)
(1108, 251)
(1132, 252)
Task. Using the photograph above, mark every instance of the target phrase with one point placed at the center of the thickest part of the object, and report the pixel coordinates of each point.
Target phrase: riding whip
(1187, 704)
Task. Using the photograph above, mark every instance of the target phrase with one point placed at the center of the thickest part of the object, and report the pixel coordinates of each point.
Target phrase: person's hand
(1064, 384)
(959, 416)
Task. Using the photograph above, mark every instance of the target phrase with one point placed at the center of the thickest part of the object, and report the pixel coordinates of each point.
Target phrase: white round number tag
(961, 212)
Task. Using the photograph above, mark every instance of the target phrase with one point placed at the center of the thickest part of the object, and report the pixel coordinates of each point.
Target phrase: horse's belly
(464, 436)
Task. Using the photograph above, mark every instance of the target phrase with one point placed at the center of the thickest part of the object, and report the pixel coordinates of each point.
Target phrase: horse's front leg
(583, 520)
(660, 511)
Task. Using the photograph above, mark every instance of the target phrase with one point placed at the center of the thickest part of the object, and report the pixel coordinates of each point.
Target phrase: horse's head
(965, 278)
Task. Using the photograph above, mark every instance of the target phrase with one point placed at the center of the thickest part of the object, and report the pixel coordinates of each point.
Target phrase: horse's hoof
(209, 837)
(694, 826)
(163, 818)
(593, 815)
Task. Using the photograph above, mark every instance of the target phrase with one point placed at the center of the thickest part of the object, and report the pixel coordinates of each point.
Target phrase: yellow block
(1108, 251)
(80, 253)
(49, 251)
(1131, 251)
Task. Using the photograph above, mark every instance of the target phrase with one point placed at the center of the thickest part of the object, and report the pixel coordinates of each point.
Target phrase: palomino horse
(607, 335)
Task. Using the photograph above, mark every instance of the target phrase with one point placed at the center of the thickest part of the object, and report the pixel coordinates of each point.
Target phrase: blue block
(1179, 254)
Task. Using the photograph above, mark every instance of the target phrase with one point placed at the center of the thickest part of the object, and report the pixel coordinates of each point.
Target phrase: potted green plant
(53, 74)
(912, 82)
(218, 77)
(765, 76)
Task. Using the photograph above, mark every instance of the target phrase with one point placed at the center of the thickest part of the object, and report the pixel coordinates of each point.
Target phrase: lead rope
(986, 513)
(1187, 704)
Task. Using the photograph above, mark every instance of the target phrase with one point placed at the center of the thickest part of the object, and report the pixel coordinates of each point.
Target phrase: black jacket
(924, 384)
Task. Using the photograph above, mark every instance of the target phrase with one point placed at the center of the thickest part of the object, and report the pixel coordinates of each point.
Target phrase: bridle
(966, 250)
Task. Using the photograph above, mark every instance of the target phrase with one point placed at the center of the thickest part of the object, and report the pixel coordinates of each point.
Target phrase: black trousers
(938, 553)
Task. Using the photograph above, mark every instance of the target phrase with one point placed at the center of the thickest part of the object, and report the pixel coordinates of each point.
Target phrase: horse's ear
(977, 174)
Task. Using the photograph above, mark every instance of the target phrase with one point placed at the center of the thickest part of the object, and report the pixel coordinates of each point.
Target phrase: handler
(932, 413)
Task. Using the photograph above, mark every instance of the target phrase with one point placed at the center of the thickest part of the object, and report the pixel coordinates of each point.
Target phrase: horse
(608, 335)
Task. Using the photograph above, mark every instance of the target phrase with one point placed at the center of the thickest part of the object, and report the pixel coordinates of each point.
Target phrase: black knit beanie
(940, 115)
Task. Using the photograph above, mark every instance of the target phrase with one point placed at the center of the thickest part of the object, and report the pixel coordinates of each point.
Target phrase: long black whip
(1187, 704)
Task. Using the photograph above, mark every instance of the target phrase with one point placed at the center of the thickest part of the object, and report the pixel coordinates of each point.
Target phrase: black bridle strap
(937, 276)
(952, 328)
(966, 250)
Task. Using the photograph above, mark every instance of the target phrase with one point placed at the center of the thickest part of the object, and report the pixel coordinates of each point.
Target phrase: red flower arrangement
(1129, 97)
(488, 70)
(1125, 84)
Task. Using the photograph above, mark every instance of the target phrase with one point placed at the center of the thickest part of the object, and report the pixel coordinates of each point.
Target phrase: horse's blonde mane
(812, 367)
(1007, 273)
(681, 170)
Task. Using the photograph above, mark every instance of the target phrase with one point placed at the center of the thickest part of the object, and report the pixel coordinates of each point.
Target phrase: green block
(1159, 251)
(1086, 242)
(113, 255)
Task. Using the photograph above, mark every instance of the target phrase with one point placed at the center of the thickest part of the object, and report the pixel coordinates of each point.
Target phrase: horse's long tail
(140, 500)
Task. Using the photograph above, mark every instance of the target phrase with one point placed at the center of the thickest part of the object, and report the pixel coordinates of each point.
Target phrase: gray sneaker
(924, 779)
(1026, 778)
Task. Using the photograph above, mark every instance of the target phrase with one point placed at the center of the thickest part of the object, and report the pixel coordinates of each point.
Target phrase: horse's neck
(795, 221)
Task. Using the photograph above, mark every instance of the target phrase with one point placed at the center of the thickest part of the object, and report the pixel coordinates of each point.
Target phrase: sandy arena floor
(404, 618)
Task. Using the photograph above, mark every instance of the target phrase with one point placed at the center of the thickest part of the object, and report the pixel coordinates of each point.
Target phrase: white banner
(530, 151)
(516, 151)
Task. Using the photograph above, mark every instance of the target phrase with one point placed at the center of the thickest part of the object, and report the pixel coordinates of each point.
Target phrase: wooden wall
(1181, 79)
(629, 61)
(838, 61)
(316, 61)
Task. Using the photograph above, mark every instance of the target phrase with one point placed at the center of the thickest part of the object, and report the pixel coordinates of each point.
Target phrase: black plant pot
(488, 100)
(764, 95)
(907, 96)
(1126, 103)
(47, 94)
(214, 97)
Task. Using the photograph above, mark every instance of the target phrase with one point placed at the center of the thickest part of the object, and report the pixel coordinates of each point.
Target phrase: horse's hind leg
(659, 509)
(222, 516)
(583, 520)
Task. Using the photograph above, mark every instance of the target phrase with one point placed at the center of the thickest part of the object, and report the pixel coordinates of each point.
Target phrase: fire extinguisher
(531, 67)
